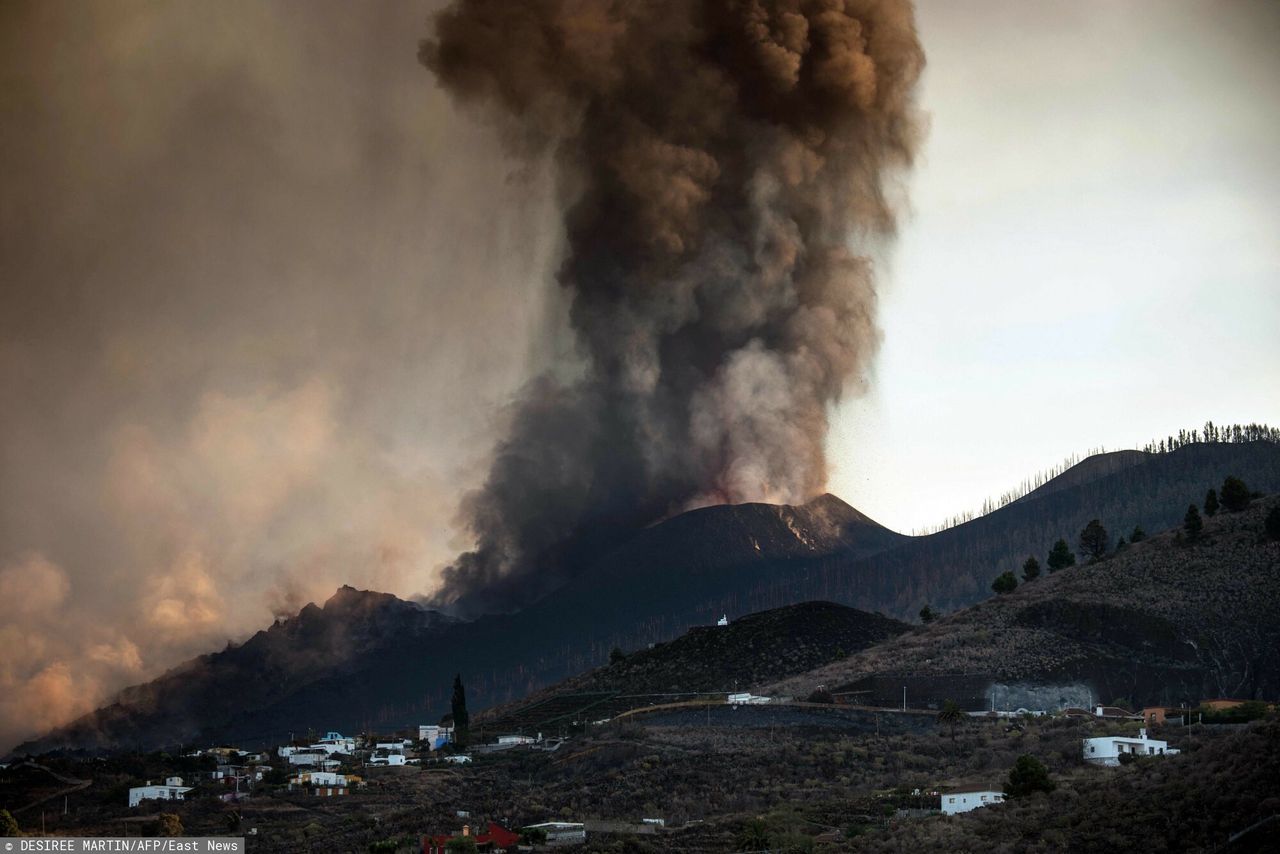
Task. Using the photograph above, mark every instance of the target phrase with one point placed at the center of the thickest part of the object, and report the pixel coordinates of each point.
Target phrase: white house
(387, 759)
(458, 759)
(396, 746)
(957, 802)
(562, 832)
(318, 778)
(172, 790)
(335, 742)
(307, 756)
(435, 736)
(723, 621)
(1108, 749)
(516, 739)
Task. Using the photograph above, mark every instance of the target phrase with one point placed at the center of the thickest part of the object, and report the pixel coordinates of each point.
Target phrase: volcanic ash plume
(727, 165)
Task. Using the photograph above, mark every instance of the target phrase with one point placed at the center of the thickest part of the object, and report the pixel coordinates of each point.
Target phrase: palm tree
(754, 836)
(951, 715)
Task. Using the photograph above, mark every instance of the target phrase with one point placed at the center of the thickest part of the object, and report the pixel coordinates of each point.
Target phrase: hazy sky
(1094, 257)
(265, 295)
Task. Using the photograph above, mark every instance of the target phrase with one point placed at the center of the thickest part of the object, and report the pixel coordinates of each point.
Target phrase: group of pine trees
(1212, 433)
(1095, 541)
(1233, 497)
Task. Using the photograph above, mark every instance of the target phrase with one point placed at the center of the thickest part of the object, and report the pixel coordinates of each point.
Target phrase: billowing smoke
(728, 170)
(244, 255)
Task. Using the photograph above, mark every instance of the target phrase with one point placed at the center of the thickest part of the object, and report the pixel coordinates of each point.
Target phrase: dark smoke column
(727, 163)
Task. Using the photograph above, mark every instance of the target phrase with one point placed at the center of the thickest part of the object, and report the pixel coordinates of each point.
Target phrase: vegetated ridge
(750, 651)
(681, 573)
(1163, 621)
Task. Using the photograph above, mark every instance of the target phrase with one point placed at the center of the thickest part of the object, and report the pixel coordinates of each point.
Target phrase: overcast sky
(1094, 256)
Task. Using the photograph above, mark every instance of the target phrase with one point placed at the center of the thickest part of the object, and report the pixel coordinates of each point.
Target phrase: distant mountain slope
(1163, 621)
(1087, 470)
(955, 567)
(353, 627)
(368, 658)
(681, 573)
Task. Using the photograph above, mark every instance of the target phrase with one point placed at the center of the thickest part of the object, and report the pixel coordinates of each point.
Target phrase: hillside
(1089, 469)
(368, 658)
(318, 644)
(1162, 621)
(1195, 802)
(682, 573)
(717, 659)
(786, 640)
(954, 568)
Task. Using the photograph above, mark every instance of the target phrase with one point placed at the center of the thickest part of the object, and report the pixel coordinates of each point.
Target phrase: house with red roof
(496, 839)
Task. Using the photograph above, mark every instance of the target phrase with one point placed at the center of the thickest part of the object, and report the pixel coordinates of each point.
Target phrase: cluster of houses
(317, 771)
(316, 765)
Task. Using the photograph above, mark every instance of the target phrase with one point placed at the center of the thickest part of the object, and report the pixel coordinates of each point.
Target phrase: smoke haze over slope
(728, 168)
(260, 294)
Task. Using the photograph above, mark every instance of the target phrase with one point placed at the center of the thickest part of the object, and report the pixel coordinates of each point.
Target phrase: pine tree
(1027, 777)
(1211, 503)
(1234, 495)
(1005, 583)
(1192, 524)
(1031, 569)
(927, 615)
(1138, 534)
(1060, 556)
(461, 719)
(1094, 540)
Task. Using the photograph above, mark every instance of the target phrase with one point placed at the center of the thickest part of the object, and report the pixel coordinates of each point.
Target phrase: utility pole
(904, 698)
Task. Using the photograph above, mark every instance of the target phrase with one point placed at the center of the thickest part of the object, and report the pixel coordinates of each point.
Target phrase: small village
(338, 766)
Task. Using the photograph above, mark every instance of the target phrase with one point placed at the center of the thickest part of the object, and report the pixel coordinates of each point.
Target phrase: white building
(562, 832)
(1108, 749)
(435, 736)
(723, 621)
(957, 802)
(397, 746)
(746, 699)
(335, 742)
(458, 759)
(387, 759)
(318, 778)
(307, 756)
(172, 790)
(516, 739)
